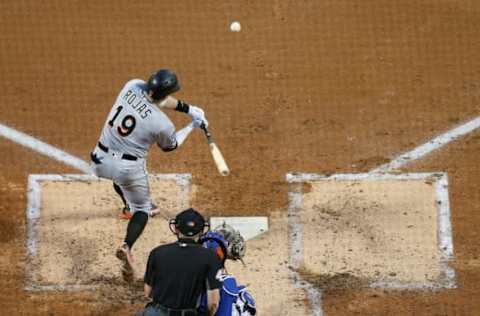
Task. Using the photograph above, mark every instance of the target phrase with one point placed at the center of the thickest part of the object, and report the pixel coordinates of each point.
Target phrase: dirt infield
(311, 86)
(74, 228)
(381, 233)
(77, 227)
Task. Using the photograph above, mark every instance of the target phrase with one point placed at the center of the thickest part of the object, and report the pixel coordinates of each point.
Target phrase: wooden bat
(216, 154)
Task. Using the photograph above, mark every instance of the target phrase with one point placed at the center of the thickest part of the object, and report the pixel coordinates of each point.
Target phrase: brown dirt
(336, 281)
(382, 230)
(78, 231)
(314, 86)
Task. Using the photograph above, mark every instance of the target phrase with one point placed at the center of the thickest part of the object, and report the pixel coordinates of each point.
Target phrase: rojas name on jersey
(137, 103)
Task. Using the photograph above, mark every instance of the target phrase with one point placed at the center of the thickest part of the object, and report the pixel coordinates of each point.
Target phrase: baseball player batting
(136, 122)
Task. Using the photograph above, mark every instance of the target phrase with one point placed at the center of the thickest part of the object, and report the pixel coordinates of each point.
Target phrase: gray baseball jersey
(134, 124)
(132, 127)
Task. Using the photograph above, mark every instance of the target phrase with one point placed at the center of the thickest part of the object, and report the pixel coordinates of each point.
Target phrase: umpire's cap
(189, 222)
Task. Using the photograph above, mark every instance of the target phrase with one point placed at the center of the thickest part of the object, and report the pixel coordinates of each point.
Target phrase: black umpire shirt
(180, 272)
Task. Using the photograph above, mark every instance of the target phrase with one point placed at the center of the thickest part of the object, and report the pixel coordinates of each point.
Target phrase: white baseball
(235, 27)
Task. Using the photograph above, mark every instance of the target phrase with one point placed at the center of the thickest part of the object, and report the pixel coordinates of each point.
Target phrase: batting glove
(196, 113)
(197, 123)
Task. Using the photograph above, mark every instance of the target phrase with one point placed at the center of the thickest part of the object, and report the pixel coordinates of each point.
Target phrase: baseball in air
(235, 27)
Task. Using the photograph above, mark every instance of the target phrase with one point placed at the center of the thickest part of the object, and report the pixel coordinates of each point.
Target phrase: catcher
(228, 243)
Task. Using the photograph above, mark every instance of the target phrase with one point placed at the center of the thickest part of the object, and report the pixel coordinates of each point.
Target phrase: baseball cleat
(123, 254)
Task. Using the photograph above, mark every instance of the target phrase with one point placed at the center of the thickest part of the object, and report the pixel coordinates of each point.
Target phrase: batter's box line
(444, 232)
(33, 213)
(295, 253)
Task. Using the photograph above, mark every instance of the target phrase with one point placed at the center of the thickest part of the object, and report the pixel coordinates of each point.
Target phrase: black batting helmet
(162, 83)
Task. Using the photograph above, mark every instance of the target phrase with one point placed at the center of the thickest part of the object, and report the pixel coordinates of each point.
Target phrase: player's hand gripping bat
(216, 154)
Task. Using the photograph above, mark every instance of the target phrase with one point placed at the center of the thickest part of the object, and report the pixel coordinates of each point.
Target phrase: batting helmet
(162, 83)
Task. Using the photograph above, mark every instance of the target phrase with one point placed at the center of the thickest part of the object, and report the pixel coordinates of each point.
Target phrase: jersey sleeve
(214, 273)
(149, 272)
(166, 139)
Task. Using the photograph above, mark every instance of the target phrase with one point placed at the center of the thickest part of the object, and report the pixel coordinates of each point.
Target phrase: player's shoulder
(135, 83)
(161, 250)
(164, 247)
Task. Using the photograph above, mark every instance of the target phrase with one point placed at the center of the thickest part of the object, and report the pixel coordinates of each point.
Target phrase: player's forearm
(169, 103)
(177, 105)
(182, 134)
(213, 300)
(212, 309)
(147, 289)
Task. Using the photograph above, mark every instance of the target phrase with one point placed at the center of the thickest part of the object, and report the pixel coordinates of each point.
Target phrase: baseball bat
(216, 154)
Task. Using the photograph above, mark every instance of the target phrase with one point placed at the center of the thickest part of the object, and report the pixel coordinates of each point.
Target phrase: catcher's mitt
(236, 243)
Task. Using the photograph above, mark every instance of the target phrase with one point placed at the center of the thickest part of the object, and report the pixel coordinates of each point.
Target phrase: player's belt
(124, 156)
(174, 312)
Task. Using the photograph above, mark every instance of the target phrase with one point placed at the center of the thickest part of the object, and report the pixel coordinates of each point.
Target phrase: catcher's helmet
(236, 246)
(216, 242)
(162, 83)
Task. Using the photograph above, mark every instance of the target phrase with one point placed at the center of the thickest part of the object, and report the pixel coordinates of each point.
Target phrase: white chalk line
(294, 177)
(44, 148)
(382, 172)
(296, 253)
(430, 146)
(34, 192)
(396, 163)
(183, 180)
(445, 235)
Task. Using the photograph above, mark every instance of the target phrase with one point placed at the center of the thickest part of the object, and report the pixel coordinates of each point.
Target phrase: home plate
(249, 227)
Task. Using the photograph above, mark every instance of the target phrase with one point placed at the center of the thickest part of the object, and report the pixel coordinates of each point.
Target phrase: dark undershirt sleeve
(149, 273)
(215, 265)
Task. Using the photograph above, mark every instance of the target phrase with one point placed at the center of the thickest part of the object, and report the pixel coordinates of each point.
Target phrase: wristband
(182, 107)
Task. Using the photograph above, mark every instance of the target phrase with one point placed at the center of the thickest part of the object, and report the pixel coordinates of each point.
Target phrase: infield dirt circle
(324, 87)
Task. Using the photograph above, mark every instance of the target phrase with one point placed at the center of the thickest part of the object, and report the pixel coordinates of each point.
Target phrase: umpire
(178, 273)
